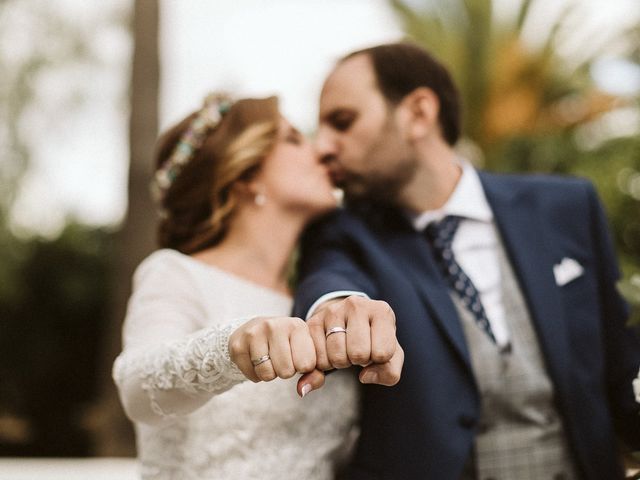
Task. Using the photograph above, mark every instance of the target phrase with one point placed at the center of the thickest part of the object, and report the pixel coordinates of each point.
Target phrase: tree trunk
(136, 238)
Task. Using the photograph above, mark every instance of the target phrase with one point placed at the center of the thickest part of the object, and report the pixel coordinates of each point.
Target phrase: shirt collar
(467, 201)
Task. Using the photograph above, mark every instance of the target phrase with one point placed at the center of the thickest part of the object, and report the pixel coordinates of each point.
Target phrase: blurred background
(548, 86)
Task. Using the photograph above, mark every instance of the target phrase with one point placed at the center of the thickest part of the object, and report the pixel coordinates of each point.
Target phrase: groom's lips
(337, 176)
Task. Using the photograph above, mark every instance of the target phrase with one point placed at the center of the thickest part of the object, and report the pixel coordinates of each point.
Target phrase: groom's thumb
(310, 381)
(387, 373)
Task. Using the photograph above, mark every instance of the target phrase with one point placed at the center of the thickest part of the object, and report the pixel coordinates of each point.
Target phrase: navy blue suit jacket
(423, 428)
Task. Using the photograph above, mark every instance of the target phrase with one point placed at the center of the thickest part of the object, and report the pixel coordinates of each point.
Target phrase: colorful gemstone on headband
(185, 148)
(162, 179)
(215, 106)
(188, 136)
(224, 107)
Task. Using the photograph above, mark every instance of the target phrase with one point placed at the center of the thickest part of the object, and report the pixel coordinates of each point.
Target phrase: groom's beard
(379, 188)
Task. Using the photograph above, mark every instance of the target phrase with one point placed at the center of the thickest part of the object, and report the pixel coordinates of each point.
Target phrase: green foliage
(54, 42)
(630, 289)
(530, 110)
(54, 293)
(52, 319)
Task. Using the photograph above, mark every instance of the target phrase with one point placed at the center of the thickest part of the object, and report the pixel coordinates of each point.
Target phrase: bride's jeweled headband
(214, 108)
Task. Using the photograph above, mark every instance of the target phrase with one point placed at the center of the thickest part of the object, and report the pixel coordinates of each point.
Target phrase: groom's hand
(369, 340)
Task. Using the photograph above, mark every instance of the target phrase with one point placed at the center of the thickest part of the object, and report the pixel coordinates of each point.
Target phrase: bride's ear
(251, 191)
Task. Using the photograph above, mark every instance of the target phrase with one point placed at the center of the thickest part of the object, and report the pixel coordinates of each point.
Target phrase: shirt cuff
(330, 296)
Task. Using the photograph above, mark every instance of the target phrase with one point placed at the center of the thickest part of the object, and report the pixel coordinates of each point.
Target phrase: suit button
(467, 421)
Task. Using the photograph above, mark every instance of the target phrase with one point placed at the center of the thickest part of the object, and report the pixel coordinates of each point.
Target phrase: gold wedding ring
(335, 330)
(262, 359)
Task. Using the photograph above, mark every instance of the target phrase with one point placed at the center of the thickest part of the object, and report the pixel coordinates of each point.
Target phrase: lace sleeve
(174, 378)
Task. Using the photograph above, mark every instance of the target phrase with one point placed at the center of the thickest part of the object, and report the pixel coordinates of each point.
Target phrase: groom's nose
(325, 145)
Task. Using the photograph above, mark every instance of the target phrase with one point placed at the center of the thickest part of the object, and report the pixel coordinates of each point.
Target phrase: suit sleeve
(621, 343)
(332, 259)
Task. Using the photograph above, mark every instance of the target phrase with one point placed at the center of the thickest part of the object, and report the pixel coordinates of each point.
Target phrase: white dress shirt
(475, 247)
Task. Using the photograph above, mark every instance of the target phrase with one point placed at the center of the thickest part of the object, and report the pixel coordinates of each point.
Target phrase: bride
(236, 185)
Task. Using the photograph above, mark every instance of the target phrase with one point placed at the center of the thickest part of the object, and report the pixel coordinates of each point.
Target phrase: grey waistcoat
(520, 435)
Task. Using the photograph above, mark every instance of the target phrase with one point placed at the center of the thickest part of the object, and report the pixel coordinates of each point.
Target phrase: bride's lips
(337, 176)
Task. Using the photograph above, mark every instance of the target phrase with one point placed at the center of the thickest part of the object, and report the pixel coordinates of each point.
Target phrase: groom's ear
(422, 106)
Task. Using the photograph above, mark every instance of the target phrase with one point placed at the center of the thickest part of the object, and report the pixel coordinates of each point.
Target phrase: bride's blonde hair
(200, 202)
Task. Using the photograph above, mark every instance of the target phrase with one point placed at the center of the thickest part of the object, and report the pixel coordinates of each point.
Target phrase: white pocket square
(565, 271)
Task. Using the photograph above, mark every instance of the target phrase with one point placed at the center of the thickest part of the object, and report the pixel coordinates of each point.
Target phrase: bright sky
(258, 47)
(250, 47)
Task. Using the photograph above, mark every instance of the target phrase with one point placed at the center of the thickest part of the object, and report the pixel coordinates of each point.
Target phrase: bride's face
(293, 177)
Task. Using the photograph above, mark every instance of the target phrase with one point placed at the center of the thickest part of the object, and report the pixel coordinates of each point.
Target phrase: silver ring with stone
(335, 330)
(262, 359)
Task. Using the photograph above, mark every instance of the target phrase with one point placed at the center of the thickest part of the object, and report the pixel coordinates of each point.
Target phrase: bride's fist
(265, 348)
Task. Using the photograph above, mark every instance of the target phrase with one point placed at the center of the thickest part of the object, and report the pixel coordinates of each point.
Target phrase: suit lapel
(413, 254)
(520, 223)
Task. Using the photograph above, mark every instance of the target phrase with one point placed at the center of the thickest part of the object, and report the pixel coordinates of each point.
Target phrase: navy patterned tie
(440, 235)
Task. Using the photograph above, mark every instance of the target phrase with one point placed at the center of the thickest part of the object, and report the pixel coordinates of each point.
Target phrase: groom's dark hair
(400, 68)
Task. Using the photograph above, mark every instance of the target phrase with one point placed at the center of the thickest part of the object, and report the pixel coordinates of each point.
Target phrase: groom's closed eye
(342, 120)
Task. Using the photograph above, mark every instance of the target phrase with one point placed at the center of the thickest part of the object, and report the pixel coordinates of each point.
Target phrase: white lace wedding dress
(195, 414)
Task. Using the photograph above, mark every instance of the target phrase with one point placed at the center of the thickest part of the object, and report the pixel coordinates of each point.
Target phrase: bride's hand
(265, 348)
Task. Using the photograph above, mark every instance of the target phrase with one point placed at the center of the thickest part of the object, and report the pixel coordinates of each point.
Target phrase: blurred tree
(51, 331)
(136, 239)
(509, 86)
(35, 39)
(53, 292)
(527, 108)
(631, 291)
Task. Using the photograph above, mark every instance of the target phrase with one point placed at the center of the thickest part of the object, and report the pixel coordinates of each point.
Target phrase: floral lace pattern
(196, 416)
(198, 363)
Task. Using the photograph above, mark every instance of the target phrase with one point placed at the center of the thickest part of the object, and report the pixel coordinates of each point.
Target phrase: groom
(518, 364)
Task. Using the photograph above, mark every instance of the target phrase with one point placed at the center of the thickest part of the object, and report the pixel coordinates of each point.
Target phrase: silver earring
(260, 199)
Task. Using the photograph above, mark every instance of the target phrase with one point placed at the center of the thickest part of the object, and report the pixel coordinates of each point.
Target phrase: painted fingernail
(306, 388)
(369, 377)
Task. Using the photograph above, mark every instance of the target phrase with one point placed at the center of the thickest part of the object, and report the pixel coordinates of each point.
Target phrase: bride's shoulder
(164, 264)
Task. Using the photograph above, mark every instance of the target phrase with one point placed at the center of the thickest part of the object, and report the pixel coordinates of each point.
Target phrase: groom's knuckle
(352, 302)
(332, 318)
(382, 354)
(358, 356)
(340, 360)
(385, 311)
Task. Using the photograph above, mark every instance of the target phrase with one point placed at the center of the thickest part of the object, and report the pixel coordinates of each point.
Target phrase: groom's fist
(358, 331)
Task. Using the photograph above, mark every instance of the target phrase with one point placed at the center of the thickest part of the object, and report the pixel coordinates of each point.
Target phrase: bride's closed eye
(294, 137)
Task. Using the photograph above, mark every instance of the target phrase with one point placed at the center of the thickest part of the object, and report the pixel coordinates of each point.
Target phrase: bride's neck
(257, 247)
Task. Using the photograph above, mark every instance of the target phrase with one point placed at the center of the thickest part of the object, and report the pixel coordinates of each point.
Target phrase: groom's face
(359, 136)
